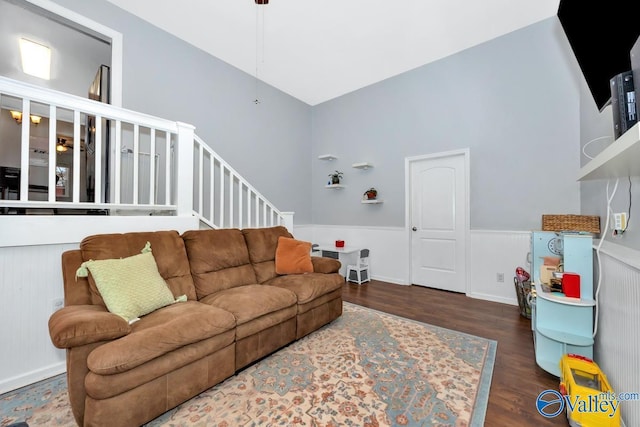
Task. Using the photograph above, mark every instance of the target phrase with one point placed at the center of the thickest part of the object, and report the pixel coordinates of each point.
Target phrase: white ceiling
(318, 50)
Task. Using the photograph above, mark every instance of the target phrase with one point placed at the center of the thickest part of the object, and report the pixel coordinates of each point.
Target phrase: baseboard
(493, 298)
(32, 377)
(393, 280)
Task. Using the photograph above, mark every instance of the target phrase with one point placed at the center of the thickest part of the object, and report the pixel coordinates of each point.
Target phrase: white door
(438, 221)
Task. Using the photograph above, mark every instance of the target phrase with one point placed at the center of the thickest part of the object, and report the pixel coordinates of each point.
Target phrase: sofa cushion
(308, 287)
(168, 251)
(262, 244)
(130, 287)
(255, 307)
(293, 256)
(160, 332)
(219, 260)
(251, 301)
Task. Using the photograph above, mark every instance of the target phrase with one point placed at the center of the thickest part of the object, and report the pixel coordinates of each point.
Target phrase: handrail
(224, 198)
(43, 95)
(143, 155)
(101, 131)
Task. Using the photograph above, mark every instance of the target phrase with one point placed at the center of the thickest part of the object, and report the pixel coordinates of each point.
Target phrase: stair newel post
(287, 220)
(184, 177)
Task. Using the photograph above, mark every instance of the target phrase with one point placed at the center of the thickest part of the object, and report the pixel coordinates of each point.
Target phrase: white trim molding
(108, 34)
(465, 152)
(35, 230)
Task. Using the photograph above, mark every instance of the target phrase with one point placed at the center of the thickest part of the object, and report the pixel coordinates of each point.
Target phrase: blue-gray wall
(514, 101)
(268, 143)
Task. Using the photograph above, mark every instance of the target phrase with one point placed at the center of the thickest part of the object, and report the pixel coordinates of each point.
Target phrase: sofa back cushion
(219, 260)
(168, 251)
(262, 244)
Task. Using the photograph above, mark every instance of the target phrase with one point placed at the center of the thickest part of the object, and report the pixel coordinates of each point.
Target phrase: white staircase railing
(225, 199)
(88, 174)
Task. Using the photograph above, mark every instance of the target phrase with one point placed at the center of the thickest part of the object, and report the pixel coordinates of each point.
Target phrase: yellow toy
(589, 399)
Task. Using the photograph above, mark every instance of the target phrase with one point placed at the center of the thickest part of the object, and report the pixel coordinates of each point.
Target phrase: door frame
(408, 161)
(108, 34)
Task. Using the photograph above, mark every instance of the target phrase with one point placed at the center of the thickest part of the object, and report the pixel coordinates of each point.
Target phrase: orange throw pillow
(293, 256)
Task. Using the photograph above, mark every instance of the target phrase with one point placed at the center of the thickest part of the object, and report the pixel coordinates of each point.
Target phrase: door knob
(414, 228)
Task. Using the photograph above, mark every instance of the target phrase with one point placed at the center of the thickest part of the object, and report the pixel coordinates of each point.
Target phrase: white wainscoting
(617, 341)
(31, 279)
(490, 252)
(494, 252)
(388, 246)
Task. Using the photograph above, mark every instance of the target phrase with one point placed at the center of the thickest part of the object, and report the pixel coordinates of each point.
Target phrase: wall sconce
(17, 116)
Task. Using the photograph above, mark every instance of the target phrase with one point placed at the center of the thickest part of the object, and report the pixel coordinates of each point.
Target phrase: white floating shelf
(362, 165)
(372, 202)
(334, 186)
(327, 157)
(620, 159)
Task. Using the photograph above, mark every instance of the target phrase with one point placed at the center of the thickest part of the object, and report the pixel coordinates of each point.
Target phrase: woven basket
(523, 289)
(588, 223)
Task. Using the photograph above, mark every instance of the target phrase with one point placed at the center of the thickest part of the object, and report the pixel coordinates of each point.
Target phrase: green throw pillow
(130, 287)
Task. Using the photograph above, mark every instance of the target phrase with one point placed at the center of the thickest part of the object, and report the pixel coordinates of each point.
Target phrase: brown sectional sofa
(238, 310)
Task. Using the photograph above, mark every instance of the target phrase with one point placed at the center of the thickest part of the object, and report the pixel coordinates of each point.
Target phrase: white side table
(346, 255)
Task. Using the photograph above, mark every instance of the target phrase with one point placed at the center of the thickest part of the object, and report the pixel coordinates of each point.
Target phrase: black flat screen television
(601, 34)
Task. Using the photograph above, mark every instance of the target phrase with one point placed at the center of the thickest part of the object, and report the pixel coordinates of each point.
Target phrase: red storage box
(571, 285)
(339, 243)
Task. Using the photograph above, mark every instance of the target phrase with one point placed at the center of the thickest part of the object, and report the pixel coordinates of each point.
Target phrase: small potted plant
(335, 177)
(371, 194)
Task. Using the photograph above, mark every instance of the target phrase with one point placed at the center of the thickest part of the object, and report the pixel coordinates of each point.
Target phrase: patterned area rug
(367, 368)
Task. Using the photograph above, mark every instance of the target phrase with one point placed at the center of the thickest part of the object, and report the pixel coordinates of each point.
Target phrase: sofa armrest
(325, 265)
(77, 325)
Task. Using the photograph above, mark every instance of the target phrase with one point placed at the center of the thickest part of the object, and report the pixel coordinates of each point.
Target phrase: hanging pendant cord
(256, 101)
(259, 46)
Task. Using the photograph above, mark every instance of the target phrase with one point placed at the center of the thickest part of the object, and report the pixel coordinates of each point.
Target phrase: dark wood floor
(516, 381)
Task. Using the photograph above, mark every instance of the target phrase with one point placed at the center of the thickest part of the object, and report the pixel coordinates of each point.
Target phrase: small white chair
(359, 273)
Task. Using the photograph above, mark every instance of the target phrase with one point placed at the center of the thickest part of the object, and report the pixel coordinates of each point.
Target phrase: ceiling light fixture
(61, 147)
(36, 59)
